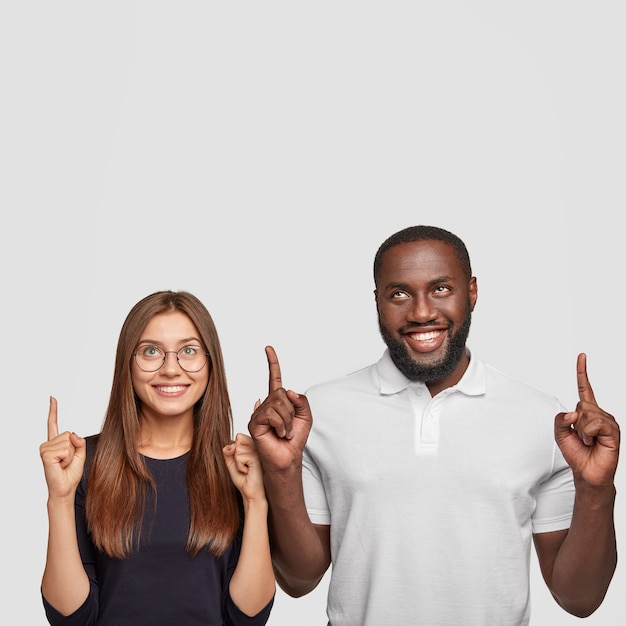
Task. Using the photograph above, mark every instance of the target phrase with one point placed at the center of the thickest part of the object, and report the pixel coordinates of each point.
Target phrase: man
(426, 475)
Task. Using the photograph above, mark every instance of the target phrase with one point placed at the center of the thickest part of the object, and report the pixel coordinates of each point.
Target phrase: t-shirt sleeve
(314, 493)
(555, 498)
(234, 617)
(85, 615)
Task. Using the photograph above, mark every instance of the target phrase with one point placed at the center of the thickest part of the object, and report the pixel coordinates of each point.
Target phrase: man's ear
(473, 291)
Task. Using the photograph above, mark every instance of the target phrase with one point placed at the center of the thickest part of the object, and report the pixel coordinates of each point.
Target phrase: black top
(161, 584)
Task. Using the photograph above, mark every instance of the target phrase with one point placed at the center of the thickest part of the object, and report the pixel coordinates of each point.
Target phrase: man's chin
(420, 370)
(422, 367)
(426, 358)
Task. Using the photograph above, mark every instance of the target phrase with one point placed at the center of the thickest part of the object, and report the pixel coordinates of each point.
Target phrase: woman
(145, 523)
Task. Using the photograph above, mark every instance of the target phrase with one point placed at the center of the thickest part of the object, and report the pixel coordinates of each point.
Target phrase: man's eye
(399, 294)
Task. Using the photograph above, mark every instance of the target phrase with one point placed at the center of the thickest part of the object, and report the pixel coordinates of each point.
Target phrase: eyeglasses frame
(176, 352)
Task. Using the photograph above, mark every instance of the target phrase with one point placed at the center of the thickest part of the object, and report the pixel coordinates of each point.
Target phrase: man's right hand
(280, 424)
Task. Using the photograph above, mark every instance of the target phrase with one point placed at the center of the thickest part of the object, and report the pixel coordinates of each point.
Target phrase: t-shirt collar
(392, 380)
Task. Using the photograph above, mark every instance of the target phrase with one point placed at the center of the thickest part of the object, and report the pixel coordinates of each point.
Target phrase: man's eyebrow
(397, 286)
(434, 281)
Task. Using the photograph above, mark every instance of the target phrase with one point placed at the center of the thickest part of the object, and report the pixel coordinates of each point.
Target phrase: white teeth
(173, 389)
(433, 334)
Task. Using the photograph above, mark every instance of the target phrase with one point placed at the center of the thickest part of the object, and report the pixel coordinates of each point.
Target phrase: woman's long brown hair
(119, 480)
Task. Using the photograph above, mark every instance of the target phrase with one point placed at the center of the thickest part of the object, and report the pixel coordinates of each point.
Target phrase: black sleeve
(234, 617)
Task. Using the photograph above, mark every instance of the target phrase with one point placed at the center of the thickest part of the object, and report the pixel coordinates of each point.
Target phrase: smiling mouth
(428, 336)
(171, 388)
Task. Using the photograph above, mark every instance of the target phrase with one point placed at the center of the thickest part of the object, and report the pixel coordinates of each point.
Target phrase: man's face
(425, 301)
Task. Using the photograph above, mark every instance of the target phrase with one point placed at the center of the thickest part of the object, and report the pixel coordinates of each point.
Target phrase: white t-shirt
(432, 502)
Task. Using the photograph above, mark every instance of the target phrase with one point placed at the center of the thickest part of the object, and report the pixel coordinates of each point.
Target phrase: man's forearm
(300, 555)
(587, 558)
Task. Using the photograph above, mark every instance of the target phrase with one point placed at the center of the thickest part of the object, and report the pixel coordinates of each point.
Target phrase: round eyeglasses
(151, 358)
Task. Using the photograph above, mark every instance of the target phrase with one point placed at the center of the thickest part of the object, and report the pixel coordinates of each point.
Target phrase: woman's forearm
(253, 584)
(64, 584)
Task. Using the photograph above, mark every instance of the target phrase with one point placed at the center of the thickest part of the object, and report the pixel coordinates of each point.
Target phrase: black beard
(418, 372)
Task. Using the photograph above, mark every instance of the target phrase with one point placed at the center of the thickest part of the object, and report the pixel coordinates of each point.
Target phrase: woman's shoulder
(92, 444)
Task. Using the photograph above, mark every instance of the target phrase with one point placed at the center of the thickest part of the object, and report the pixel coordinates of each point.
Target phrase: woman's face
(170, 391)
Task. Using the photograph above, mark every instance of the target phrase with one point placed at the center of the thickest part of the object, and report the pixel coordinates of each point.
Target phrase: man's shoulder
(510, 383)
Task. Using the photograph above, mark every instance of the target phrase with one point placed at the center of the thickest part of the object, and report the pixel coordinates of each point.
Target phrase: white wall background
(256, 154)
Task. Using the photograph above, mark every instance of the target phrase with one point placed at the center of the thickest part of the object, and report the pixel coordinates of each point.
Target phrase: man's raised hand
(280, 424)
(589, 437)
